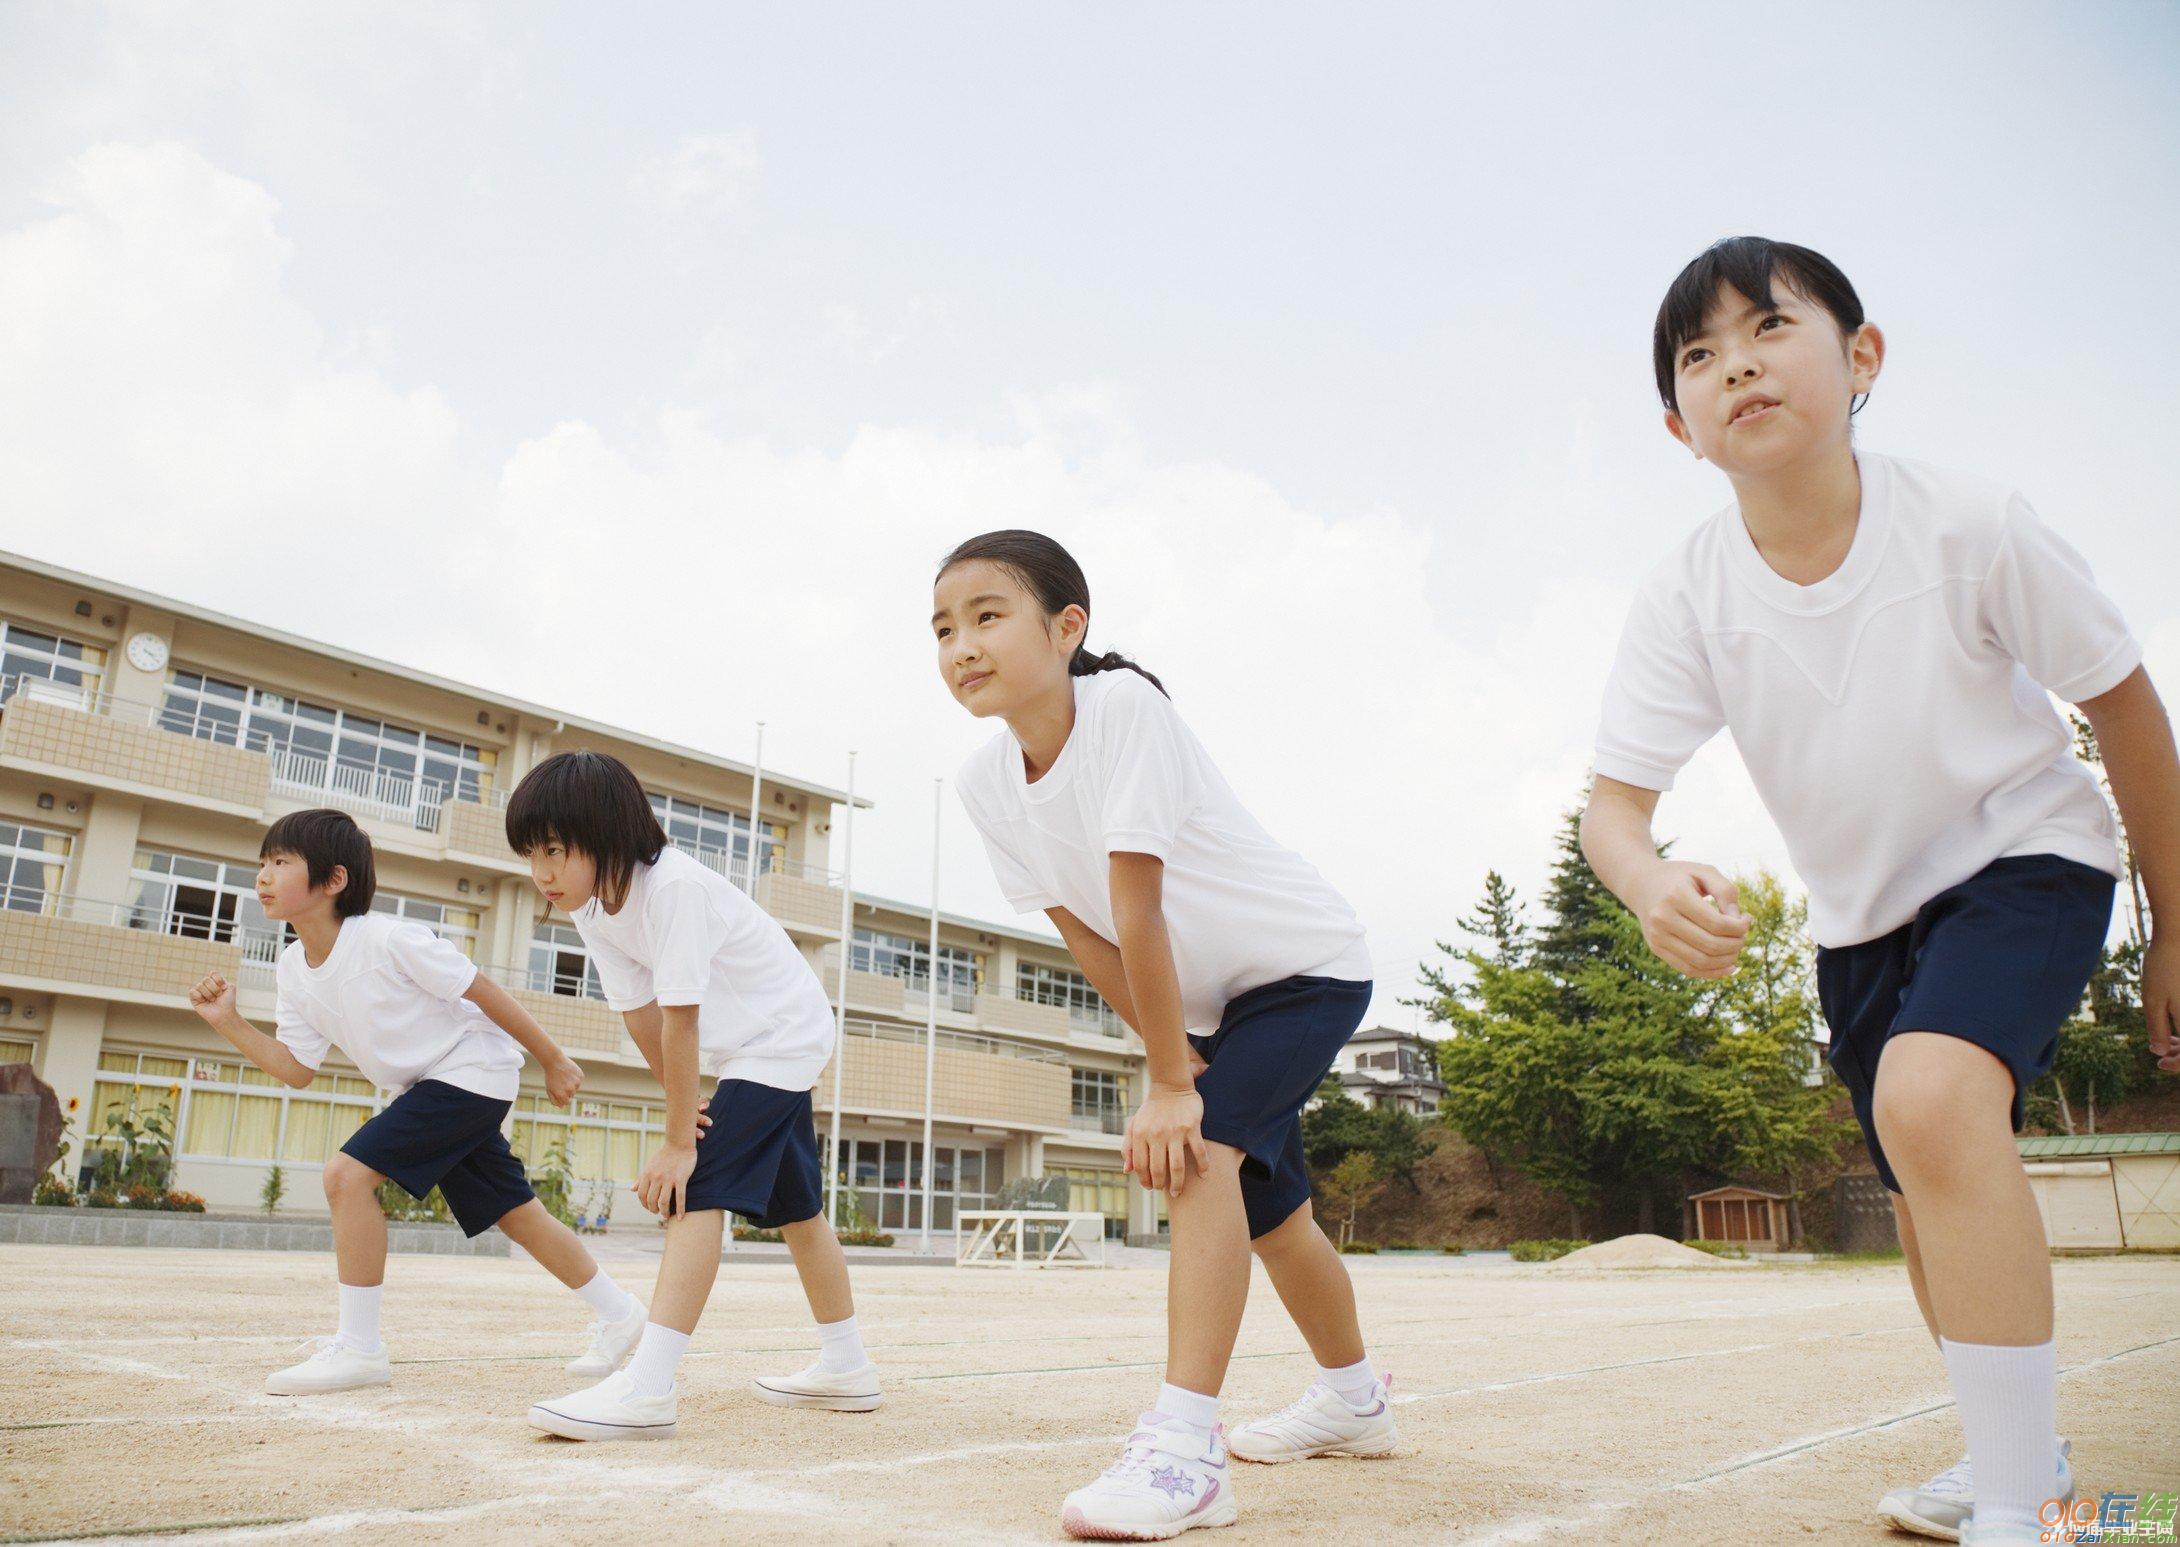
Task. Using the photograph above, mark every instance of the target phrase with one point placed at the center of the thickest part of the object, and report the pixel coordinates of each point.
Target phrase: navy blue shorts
(1273, 1048)
(759, 1158)
(2001, 960)
(438, 1135)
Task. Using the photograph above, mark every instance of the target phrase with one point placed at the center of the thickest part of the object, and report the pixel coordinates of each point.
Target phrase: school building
(145, 745)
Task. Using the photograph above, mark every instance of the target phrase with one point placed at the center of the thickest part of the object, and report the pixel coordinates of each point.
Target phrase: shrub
(275, 1188)
(752, 1233)
(142, 1196)
(1720, 1249)
(1359, 1249)
(1543, 1251)
(1453, 1251)
(1401, 1246)
(53, 1191)
(400, 1208)
(182, 1203)
(865, 1238)
(102, 1198)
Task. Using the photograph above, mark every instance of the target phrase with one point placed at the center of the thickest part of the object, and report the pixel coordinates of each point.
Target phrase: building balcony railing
(193, 750)
(114, 946)
(1106, 1120)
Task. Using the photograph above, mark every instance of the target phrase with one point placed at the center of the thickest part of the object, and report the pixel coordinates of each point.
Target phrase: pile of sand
(1641, 1251)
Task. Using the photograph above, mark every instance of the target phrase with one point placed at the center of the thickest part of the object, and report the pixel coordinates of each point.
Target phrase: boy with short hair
(1880, 636)
(415, 1016)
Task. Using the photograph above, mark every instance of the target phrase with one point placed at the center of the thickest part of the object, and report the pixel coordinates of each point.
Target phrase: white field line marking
(1512, 1382)
(1533, 1527)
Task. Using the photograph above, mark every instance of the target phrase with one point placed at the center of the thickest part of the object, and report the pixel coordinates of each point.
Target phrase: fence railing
(959, 1041)
(388, 795)
(1105, 1120)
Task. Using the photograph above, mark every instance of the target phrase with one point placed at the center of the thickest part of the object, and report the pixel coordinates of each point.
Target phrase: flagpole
(756, 811)
(840, 1012)
(931, 1012)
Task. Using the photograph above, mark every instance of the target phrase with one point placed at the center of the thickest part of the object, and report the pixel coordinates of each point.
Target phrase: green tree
(1598, 1070)
(1346, 1188)
(1336, 1125)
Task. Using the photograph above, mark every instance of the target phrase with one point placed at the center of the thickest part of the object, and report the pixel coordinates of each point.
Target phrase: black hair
(593, 804)
(323, 838)
(1054, 578)
(1749, 264)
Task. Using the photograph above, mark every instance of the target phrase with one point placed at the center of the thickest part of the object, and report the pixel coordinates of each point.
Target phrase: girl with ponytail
(1238, 965)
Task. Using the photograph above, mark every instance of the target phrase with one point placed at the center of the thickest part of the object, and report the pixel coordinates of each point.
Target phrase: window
(1036, 983)
(206, 899)
(53, 659)
(886, 1176)
(1097, 1190)
(716, 839)
(560, 963)
(236, 1111)
(394, 770)
(209, 899)
(1100, 1100)
(448, 922)
(961, 972)
(16, 1050)
(32, 860)
(608, 1142)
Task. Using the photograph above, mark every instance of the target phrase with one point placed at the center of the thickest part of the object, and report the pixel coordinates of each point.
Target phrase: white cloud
(170, 415)
(704, 175)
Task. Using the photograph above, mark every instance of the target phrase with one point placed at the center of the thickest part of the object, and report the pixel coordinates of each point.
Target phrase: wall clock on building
(148, 652)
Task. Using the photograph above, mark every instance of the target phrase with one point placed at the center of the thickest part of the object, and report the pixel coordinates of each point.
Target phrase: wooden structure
(1740, 1216)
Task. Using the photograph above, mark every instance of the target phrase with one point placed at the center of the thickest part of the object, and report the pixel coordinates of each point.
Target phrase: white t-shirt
(1893, 715)
(389, 995)
(687, 935)
(1241, 911)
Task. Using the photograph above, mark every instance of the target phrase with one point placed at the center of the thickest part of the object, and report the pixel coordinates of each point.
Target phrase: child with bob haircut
(1882, 638)
(709, 984)
(416, 1017)
(1240, 967)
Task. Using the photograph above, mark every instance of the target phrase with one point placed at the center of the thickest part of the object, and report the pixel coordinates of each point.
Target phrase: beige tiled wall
(967, 1087)
(798, 901)
(578, 1025)
(35, 945)
(142, 754)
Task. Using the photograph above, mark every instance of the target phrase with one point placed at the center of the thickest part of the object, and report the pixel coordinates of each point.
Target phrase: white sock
(359, 1316)
(1190, 1410)
(840, 1347)
(1356, 1384)
(2008, 1402)
(608, 1299)
(651, 1367)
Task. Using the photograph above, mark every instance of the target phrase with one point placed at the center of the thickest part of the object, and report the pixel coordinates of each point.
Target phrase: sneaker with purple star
(1167, 1480)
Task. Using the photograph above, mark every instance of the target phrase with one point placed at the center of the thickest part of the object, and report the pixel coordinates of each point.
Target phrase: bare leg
(823, 1268)
(1944, 1112)
(359, 1224)
(687, 1268)
(557, 1249)
(1913, 1252)
(1314, 1287)
(1207, 1282)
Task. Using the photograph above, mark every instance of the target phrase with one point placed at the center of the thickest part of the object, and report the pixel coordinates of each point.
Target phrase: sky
(644, 362)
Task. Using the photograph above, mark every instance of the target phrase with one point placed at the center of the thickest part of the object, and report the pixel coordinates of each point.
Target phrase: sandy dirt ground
(1535, 1405)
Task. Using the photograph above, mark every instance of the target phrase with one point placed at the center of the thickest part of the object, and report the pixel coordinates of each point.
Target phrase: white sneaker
(1320, 1424)
(332, 1366)
(843, 1391)
(1166, 1481)
(610, 1410)
(611, 1342)
(1942, 1506)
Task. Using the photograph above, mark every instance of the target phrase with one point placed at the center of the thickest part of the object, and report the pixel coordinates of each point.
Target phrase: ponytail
(1085, 664)
(1055, 579)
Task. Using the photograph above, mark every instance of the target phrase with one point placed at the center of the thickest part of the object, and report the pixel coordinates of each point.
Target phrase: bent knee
(344, 1176)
